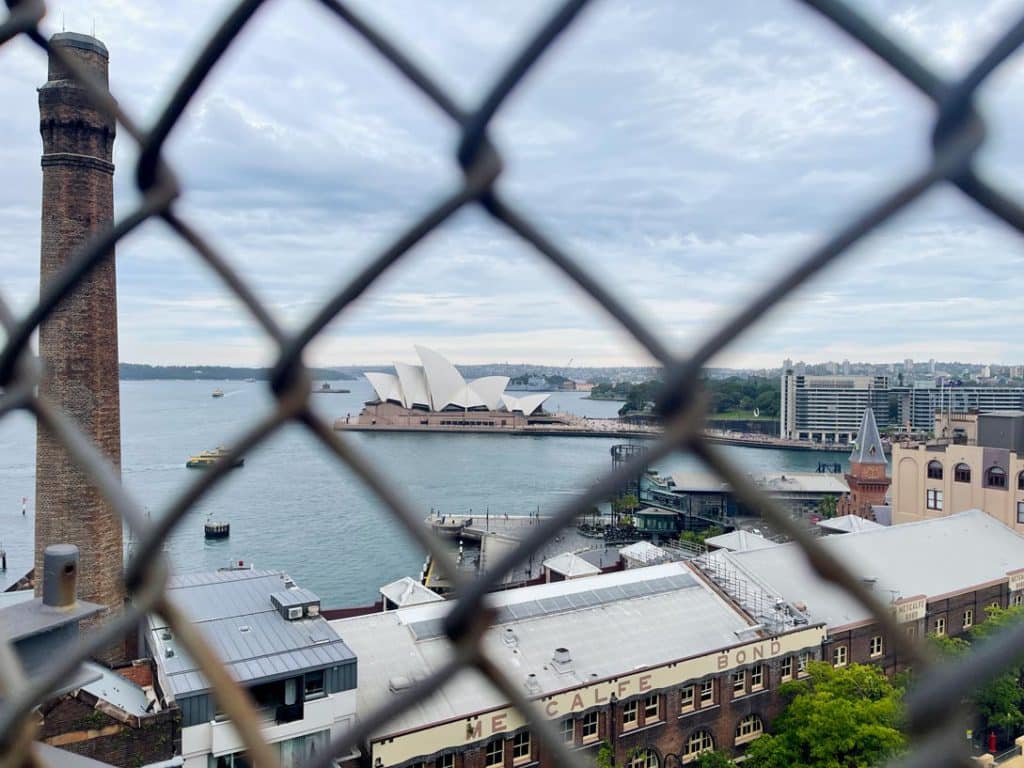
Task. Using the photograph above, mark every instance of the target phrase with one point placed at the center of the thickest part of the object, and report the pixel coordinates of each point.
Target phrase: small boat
(218, 392)
(326, 389)
(209, 458)
(216, 530)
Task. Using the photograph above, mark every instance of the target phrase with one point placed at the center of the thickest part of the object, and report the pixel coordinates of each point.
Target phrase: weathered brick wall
(78, 342)
(74, 724)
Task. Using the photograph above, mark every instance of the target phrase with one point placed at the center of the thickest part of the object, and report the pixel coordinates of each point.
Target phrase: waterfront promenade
(580, 426)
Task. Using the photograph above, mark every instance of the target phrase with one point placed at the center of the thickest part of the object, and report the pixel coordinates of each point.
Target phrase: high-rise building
(829, 409)
(78, 341)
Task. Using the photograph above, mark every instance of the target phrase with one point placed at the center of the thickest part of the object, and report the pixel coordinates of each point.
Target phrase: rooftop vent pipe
(60, 575)
(562, 660)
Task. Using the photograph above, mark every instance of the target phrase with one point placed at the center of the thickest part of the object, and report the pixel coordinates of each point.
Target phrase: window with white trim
(1018, 599)
(495, 754)
(521, 747)
(1020, 511)
(876, 646)
(801, 663)
(568, 731)
(749, 728)
(934, 499)
(645, 759)
(686, 698)
(707, 693)
(739, 682)
(652, 708)
(839, 656)
(447, 760)
(757, 678)
(968, 618)
(630, 713)
(699, 741)
(786, 668)
(940, 625)
(590, 726)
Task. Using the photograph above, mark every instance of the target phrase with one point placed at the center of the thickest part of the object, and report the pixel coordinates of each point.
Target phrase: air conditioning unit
(295, 613)
(313, 609)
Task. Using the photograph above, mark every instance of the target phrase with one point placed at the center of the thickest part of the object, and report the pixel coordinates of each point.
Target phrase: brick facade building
(868, 476)
(78, 341)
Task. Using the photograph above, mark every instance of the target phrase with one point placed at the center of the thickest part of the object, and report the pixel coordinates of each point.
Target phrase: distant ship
(218, 392)
(325, 389)
(209, 458)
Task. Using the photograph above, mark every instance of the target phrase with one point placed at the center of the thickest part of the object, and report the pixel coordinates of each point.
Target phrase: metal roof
(933, 557)
(848, 524)
(234, 612)
(117, 690)
(868, 448)
(603, 620)
(739, 541)
(571, 565)
(408, 591)
(31, 617)
(643, 551)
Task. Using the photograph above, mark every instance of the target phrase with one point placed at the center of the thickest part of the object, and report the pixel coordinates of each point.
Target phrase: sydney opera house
(435, 395)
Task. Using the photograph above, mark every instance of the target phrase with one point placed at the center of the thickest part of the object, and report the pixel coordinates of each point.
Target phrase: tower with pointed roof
(868, 478)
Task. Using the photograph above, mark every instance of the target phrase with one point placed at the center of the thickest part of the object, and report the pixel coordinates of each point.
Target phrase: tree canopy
(836, 718)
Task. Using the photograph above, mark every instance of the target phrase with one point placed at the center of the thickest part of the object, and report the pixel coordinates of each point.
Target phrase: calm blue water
(295, 508)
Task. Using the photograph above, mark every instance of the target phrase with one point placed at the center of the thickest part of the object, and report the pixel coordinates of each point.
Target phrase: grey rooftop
(937, 557)
(603, 620)
(234, 612)
(31, 617)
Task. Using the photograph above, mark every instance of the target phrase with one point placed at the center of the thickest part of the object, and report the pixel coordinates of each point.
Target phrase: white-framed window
(786, 668)
(1018, 599)
(876, 646)
(1020, 509)
(968, 618)
(495, 753)
(521, 747)
(940, 625)
(757, 678)
(697, 742)
(447, 760)
(652, 708)
(590, 726)
(568, 731)
(707, 693)
(646, 759)
(686, 698)
(801, 663)
(630, 713)
(749, 728)
(934, 500)
(739, 682)
(839, 656)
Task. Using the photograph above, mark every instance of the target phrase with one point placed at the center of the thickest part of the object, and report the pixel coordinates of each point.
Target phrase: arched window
(1020, 482)
(934, 470)
(995, 477)
(646, 758)
(749, 728)
(699, 741)
(962, 473)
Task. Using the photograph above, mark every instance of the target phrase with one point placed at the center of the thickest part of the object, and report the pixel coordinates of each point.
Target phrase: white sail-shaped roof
(414, 385)
(446, 385)
(387, 386)
(489, 388)
(527, 404)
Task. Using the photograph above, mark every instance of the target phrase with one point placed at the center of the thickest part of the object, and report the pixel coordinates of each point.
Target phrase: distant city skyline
(684, 153)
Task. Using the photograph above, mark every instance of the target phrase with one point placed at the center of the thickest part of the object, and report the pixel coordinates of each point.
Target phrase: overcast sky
(684, 152)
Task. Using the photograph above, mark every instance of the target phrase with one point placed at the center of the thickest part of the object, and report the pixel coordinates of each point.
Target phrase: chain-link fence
(958, 133)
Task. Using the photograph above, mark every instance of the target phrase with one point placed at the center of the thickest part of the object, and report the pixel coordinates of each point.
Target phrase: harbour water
(294, 507)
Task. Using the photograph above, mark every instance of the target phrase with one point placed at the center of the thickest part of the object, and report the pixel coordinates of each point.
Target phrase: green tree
(827, 507)
(714, 760)
(836, 718)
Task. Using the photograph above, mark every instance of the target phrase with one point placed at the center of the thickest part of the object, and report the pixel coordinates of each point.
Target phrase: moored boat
(218, 392)
(209, 458)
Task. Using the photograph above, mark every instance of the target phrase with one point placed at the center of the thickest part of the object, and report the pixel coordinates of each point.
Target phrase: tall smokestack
(78, 342)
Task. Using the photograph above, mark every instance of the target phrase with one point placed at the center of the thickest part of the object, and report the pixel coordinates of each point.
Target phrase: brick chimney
(78, 342)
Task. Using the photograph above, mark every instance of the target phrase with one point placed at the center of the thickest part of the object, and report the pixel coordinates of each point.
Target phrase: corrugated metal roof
(234, 612)
(602, 627)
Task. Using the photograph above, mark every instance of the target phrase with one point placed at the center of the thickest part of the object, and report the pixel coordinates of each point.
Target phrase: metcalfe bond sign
(484, 725)
(910, 608)
(1015, 579)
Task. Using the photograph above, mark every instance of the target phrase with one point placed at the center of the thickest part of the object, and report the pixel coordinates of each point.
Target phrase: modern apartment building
(271, 637)
(977, 464)
(829, 409)
(918, 402)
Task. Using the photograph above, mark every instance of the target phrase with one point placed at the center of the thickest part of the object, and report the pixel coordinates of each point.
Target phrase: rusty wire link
(958, 132)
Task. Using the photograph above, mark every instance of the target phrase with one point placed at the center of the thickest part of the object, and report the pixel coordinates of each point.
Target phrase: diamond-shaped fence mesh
(958, 133)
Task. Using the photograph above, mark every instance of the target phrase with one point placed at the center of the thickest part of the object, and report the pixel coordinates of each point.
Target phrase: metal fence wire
(958, 133)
